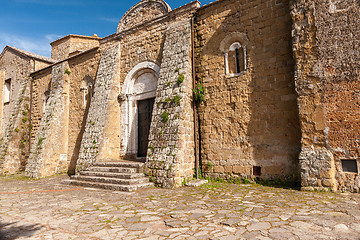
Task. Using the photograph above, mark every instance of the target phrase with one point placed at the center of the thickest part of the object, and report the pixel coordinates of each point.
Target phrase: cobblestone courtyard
(45, 209)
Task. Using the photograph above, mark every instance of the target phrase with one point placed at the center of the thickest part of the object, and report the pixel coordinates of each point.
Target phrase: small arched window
(234, 46)
(7, 91)
(45, 100)
(87, 89)
(235, 59)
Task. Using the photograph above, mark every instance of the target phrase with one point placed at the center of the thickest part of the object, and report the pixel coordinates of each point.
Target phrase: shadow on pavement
(9, 231)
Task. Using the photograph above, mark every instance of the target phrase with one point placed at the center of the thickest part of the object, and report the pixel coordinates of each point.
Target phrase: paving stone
(172, 215)
(147, 218)
(258, 226)
(341, 228)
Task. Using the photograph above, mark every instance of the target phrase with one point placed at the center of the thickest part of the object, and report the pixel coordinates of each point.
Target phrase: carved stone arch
(231, 38)
(142, 12)
(140, 84)
(234, 47)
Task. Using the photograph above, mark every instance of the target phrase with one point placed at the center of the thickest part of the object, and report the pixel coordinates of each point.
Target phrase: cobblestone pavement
(45, 209)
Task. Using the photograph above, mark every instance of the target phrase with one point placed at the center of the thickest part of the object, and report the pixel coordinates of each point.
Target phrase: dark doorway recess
(145, 108)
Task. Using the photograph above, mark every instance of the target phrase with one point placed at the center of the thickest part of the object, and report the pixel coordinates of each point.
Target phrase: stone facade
(249, 120)
(171, 154)
(144, 47)
(60, 102)
(324, 38)
(15, 68)
(71, 45)
(94, 141)
(280, 96)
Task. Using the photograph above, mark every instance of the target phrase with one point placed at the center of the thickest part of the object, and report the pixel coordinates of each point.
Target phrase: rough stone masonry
(256, 89)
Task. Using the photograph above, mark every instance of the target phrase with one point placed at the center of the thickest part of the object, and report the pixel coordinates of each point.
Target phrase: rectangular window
(7, 91)
(257, 171)
(349, 165)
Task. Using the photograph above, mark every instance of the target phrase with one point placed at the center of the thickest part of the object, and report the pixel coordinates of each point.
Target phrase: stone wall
(94, 142)
(325, 35)
(38, 65)
(41, 87)
(49, 150)
(82, 72)
(142, 12)
(249, 122)
(14, 114)
(70, 45)
(64, 84)
(142, 45)
(171, 154)
(103, 138)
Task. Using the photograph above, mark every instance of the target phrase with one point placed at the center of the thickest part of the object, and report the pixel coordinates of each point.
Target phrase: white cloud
(53, 37)
(40, 45)
(114, 20)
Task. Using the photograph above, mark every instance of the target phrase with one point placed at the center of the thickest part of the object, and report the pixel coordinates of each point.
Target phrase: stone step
(110, 180)
(113, 169)
(122, 164)
(113, 174)
(108, 186)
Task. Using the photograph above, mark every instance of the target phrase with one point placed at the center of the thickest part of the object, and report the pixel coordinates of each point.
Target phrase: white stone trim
(230, 43)
(129, 122)
(234, 46)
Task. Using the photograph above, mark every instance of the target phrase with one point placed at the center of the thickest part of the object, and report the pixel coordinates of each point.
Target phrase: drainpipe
(194, 103)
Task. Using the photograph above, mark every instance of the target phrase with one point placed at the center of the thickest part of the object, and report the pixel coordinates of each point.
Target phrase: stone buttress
(49, 150)
(171, 155)
(97, 142)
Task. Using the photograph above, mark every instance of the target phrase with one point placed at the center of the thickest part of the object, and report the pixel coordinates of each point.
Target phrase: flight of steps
(118, 176)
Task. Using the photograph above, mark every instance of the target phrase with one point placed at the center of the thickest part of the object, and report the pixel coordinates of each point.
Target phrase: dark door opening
(145, 108)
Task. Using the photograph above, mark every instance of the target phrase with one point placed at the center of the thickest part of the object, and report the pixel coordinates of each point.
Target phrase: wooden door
(145, 108)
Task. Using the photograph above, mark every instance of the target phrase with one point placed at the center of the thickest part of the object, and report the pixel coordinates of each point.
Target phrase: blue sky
(32, 24)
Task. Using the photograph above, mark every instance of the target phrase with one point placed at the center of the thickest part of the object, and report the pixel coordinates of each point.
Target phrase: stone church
(235, 89)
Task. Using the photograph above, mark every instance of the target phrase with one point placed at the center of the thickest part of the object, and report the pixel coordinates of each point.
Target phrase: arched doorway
(139, 93)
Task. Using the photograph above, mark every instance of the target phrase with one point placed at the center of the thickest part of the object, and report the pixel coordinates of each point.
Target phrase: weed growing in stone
(246, 181)
(176, 100)
(41, 140)
(165, 116)
(199, 92)
(180, 79)
(152, 148)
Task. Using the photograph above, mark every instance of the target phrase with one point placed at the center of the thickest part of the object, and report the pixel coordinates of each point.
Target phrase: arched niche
(139, 87)
(87, 89)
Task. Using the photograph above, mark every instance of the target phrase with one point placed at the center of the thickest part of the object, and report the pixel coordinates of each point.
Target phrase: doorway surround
(140, 84)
